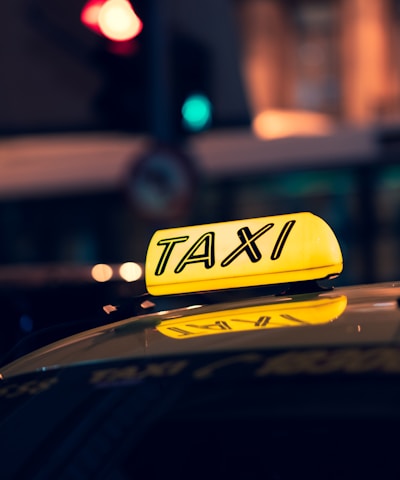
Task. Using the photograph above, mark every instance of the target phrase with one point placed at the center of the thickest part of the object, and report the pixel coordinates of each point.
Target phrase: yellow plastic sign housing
(242, 253)
(315, 311)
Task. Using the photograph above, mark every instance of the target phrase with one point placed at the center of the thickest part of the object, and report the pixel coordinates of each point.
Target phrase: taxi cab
(242, 360)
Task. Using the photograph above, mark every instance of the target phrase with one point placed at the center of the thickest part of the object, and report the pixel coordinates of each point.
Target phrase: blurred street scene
(207, 111)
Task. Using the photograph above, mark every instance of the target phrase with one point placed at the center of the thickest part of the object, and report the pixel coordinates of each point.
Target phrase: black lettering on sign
(206, 246)
(247, 245)
(169, 244)
(280, 243)
(203, 250)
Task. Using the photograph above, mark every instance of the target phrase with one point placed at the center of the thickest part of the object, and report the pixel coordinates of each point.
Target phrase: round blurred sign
(161, 184)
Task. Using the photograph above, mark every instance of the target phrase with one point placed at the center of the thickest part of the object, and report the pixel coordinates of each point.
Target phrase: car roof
(343, 316)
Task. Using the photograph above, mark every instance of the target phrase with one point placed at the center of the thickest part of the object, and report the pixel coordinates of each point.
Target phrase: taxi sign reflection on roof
(242, 253)
(312, 311)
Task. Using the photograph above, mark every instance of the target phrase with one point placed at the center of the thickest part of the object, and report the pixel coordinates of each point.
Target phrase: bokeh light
(102, 272)
(196, 112)
(130, 271)
(118, 21)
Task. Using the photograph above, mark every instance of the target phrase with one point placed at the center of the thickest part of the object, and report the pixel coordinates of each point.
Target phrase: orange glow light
(102, 272)
(275, 123)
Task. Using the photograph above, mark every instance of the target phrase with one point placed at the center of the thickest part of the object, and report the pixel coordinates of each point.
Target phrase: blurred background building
(212, 111)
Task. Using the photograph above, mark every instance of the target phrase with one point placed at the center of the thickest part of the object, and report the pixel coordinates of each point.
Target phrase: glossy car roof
(343, 316)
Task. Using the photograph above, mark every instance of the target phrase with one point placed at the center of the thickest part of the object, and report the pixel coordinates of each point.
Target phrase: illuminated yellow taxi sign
(242, 253)
(260, 317)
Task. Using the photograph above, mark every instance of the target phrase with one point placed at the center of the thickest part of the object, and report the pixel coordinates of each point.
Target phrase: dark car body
(299, 384)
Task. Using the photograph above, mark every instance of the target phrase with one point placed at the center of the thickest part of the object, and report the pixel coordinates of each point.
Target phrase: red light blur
(114, 19)
(90, 14)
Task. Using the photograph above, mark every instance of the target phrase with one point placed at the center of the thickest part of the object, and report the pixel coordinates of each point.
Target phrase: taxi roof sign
(242, 253)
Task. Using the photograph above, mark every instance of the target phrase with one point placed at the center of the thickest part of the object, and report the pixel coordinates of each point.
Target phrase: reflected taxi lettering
(289, 313)
(31, 387)
(241, 253)
(259, 365)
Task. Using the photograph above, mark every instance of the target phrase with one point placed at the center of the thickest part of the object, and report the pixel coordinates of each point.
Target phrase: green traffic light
(196, 112)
